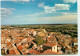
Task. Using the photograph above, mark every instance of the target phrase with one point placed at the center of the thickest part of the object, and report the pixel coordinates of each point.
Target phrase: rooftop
(49, 44)
(34, 52)
(48, 51)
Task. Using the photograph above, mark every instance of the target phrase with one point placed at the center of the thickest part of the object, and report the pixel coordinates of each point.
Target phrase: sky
(15, 12)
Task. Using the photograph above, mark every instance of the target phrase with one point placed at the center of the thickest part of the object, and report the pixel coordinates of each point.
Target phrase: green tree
(38, 40)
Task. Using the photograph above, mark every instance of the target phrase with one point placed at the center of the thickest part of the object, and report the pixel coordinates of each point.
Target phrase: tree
(38, 40)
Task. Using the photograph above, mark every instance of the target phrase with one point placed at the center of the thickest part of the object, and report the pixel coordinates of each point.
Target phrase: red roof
(16, 51)
(48, 51)
(49, 44)
(21, 37)
(30, 39)
(50, 39)
(20, 47)
(6, 34)
(8, 43)
(11, 52)
(34, 52)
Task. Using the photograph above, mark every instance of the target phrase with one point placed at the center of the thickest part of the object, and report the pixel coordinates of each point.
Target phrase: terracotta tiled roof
(11, 52)
(49, 44)
(8, 43)
(20, 47)
(67, 48)
(6, 34)
(21, 37)
(50, 38)
(59, 45)
(50, 52)
(63, 44)
(34, 52)
(16, 51)
(30, 39)
(2, 36)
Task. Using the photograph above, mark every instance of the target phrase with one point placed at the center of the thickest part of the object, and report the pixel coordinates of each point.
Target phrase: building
(51, 46)
(48, 51)
(33, 52)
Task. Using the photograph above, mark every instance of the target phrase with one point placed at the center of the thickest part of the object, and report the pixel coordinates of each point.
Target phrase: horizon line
(37, 24)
